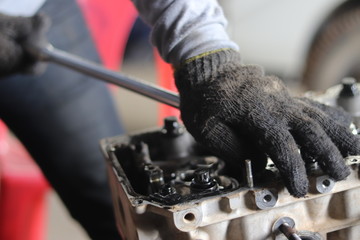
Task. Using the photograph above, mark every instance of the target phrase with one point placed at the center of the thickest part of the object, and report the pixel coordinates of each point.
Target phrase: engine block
(166, 186)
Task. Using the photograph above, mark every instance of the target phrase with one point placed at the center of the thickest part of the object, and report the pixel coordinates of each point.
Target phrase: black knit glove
(228, 107)
(14, 33)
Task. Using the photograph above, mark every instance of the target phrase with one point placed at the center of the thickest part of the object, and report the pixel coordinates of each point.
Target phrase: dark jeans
(60, 117)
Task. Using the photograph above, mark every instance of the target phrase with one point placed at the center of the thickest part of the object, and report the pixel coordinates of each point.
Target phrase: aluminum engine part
(345, 95)
(166, 186)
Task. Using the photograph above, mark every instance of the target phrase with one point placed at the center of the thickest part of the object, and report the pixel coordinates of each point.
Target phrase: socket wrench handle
(51, 54)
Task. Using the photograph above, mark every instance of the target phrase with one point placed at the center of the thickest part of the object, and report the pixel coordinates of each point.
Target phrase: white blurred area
(276, 34)
(308, 44)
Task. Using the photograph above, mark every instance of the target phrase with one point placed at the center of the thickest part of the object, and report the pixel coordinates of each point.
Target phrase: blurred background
(309, 44)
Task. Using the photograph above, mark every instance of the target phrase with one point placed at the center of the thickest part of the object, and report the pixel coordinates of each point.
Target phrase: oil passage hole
(326, 183)
(189, 217)
(267, 198)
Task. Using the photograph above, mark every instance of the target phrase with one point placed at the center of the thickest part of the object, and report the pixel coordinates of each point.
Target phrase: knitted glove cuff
(206, 67)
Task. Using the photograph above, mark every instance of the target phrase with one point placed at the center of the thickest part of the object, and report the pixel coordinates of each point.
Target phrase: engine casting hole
(189, 217)
(326, 183)
(306, 238)
(267, 198)
(138, 201)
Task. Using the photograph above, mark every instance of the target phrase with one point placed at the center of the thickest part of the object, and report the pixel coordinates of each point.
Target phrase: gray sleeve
(182, 29)
(24, 8)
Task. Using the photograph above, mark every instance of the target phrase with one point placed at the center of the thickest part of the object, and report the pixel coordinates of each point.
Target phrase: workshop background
(286, 52)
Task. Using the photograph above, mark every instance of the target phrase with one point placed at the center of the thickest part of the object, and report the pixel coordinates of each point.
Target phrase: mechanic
(235, 109)
(60, 115)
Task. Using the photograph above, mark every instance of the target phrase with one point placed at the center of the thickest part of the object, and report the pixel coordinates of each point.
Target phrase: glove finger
(336, 113)
(224, 142)
(313, 141)
(282, 149)
(347, 143)
(10, 56)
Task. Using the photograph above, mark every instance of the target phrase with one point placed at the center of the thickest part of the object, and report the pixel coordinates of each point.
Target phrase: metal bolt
(249, 176)
(349, 98)
(202, 176)
(172, 127)
(289, 232)
(349, 88)
(313, 167)
(167, 189)
(202, 181)
(155, 176)
(286, 226)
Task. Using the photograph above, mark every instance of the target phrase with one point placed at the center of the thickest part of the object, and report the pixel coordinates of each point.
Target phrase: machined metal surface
(233, 215)
(198, 196)
(249, 176)
(324, 184)
(345, 95)
(242, 213)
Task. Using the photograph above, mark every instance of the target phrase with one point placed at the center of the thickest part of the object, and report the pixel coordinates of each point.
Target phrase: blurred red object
(110, 23)
(23, 191)
(22, 186)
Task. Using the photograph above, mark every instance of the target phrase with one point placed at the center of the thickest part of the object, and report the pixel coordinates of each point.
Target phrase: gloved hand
(226, 105)
(14, 33)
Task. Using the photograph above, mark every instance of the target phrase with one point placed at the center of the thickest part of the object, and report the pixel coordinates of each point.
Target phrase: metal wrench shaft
(49, 53)
(289, 232)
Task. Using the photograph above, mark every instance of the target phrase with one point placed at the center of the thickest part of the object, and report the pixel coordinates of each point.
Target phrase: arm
(236, 110)
(184, 29)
